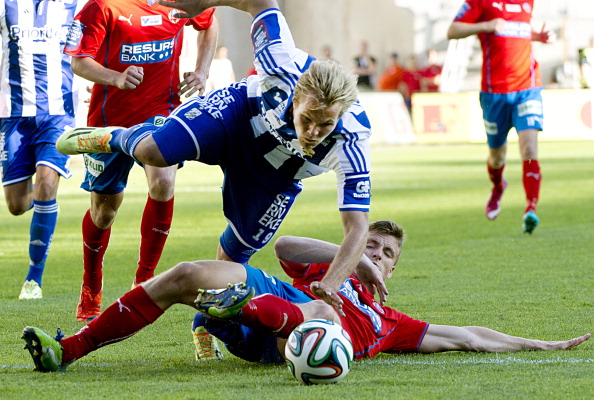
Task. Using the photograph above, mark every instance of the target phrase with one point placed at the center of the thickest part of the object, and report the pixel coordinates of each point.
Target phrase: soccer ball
(319, 351)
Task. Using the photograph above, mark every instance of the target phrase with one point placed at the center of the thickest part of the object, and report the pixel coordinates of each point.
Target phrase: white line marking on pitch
(396, 360)
(506, 360)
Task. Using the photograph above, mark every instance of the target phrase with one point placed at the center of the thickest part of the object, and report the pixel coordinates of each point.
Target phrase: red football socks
(95, 241)
(272, 315)
(496, 176)
(154, 229)
(531, 178)
(129, 314)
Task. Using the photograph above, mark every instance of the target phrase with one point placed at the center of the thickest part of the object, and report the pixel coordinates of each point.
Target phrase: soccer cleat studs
(224, 303)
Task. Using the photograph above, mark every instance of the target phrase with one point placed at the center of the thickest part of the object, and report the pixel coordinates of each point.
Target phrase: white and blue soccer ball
(319, 351)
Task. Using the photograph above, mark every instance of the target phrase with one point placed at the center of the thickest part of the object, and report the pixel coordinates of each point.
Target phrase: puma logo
(285, 319)
(128, 20)
(92, 249)
(533, 175)
(122, 307)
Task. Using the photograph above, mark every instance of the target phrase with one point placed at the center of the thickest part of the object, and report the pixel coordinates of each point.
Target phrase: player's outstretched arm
(191, 8)
(356, 227)
(460, 30)
(477, 338)
(304, 250)
(296, 253)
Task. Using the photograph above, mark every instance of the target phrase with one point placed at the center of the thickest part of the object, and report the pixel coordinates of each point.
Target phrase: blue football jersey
(36, 75)
(279, 65)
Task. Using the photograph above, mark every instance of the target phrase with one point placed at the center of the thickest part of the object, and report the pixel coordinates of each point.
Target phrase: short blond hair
(388, 227)
(328, 82)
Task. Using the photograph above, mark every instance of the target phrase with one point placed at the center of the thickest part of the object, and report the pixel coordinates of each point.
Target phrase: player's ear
(389, 274)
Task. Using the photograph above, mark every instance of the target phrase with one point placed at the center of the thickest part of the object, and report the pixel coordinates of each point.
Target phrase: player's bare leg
(475, 338)
(181, 283)
(147, 152)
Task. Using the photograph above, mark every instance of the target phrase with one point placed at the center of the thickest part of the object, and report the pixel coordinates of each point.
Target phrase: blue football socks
(43, 224)
(126, 140)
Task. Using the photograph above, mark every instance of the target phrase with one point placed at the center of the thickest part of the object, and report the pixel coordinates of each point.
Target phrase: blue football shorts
(256, 195)
(502, 111)
(28, 142)
(245, 342)
(107, 173)
(264, 283)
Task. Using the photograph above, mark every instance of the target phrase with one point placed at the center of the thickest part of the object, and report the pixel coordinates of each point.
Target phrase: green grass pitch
(457, 268)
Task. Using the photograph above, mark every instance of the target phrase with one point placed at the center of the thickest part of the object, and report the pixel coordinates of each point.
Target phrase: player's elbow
(457, 30)
(451, 34)
(282, 246)
(77, 65)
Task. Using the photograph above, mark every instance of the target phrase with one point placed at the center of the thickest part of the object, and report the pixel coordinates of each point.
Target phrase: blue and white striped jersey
(36, 75)
(346, 150)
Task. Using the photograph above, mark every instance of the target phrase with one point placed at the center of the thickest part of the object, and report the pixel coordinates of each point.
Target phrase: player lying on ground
(372, 327)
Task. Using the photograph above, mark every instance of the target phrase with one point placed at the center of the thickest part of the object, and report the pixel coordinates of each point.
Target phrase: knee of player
(103, 217)
(148, 152)
(185, 276)
(162, 188)
(16, 208)
(45, 190)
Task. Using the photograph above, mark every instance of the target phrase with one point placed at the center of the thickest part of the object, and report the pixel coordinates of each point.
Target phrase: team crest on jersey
(151, 20)
(172, 16)
(527, 8)
(159, 120)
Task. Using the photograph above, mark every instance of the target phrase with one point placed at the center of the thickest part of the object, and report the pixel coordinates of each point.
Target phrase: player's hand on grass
(186, 8)
(130, 78)
(194, 82)
(329, 295)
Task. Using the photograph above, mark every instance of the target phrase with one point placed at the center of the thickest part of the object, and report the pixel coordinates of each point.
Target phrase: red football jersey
(121, 33)
(508, 60)
(373, 328)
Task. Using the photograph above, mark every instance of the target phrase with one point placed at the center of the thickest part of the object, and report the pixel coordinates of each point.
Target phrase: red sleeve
(203, 21)
(92, 22)
(294, 269)
(470, 11)
(315, 272)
